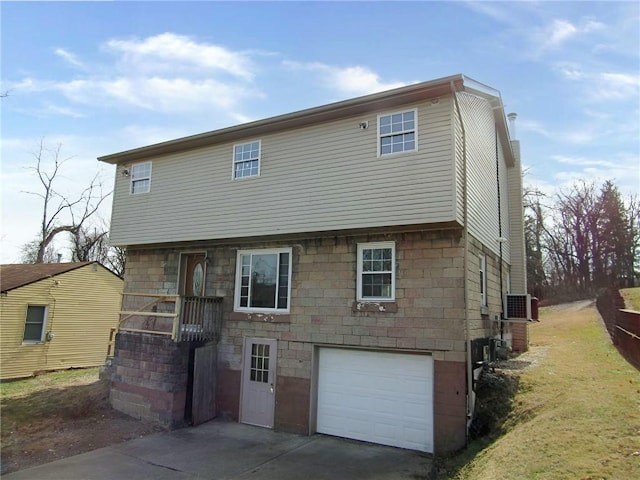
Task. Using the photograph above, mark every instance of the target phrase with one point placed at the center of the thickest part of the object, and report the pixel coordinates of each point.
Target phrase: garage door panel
(379, 397)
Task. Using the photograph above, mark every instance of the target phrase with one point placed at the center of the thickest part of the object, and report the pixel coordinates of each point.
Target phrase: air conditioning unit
(517, 306)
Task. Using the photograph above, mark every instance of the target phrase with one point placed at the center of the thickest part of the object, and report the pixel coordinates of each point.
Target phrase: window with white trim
(376, 271)
(397, 132)
(482, 259)
(140, 178)
(246, 160)
(34, 323)
(263, 280)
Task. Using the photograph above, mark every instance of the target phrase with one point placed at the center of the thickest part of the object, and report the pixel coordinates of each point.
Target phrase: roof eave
(342, 109)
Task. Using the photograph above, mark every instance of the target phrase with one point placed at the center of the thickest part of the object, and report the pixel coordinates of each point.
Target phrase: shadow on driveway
(229, 450)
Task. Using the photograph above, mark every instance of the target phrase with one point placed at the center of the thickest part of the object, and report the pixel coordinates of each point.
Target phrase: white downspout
(465, 234)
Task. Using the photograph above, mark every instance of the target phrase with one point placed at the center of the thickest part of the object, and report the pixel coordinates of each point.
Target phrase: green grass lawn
(62, 378)
(576, 415)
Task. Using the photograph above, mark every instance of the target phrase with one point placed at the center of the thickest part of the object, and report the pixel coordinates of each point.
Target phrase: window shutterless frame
(140, 178)
(263, 280)
(398, 132)
(482, 260)
(35, 323)
(246, 160)
(376, 279)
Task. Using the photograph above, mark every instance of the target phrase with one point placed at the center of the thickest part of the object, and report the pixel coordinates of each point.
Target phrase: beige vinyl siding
(319, 178)
(516, 225)
(505, 188)
(480, 134)
(83, 306)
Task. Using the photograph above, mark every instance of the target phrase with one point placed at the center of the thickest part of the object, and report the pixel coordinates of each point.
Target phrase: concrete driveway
(228, 450)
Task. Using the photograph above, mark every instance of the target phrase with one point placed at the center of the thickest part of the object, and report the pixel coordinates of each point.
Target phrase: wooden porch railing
(182, 318)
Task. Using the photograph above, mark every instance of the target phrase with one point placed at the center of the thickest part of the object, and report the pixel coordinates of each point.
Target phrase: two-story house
(339, 269)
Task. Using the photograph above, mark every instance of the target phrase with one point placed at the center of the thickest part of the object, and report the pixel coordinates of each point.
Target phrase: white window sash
(140, 178)
(238, 284)
(236, 161)
(360, 273)
(414, 131)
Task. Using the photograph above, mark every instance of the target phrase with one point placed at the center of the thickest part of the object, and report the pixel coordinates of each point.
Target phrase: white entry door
(257, 406)
(377, 397)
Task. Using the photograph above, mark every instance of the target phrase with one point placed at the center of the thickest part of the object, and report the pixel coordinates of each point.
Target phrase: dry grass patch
(57, 415)
(576, 415)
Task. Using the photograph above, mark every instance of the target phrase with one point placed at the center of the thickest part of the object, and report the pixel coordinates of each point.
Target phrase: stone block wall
(427, 315)
(149, 378)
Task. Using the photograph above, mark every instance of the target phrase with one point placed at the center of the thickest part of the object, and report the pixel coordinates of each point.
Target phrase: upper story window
(263, 280)
(376, 271)
(246, 160)
(482, 259)
(34, 323)
(141, 178)
(397, 132)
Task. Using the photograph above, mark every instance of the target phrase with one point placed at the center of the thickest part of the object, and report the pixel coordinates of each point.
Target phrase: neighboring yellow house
(55, 316)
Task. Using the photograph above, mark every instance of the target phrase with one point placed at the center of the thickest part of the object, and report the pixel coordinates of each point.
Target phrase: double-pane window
(246, 160)
(263, 280)
(376, 271)
(141, 178)
(397, 132)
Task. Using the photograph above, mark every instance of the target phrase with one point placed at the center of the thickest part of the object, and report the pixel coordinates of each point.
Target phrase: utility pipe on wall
(465, 235)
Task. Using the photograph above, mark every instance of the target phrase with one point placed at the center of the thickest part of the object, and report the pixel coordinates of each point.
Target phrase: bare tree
(61, 213)
(116, 260)
(92, 244)
(30, 253)
(89, 245)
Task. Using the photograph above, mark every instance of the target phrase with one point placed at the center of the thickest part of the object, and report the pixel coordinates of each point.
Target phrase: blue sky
(99, 78)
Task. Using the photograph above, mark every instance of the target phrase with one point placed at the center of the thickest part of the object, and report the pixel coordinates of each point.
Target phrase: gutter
(465, 234)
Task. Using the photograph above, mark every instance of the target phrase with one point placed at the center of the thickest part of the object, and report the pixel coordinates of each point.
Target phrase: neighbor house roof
(19, 275)
(346, 108)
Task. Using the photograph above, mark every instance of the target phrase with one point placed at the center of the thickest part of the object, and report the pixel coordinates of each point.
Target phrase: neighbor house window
(246, 160)
(141, 178)
(263, 280)
(376, 271)
(34, 324)
(397, 132)
(483, 279)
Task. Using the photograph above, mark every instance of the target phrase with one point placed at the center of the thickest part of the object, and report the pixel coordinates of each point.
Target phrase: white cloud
(355, 80)
(582, 161)
(618, 86)
(58, 110)
(158, 94)
(68, 57)
(165, 73)
(602, 86)
(583, 135)
(169, 52)
(558, 32)
(623, 169)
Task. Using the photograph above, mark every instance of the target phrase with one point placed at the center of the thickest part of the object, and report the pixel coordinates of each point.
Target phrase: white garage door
(377, 397)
